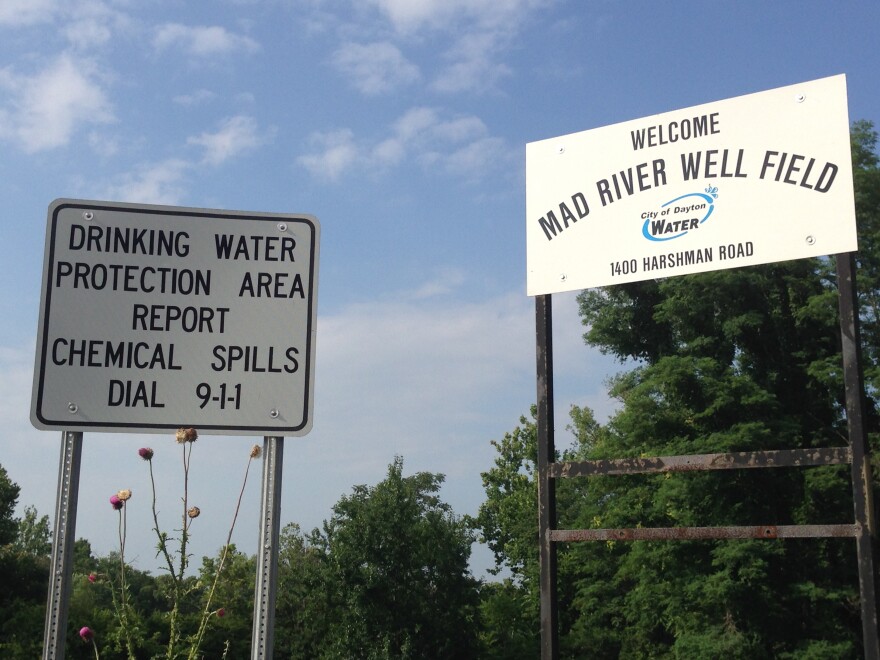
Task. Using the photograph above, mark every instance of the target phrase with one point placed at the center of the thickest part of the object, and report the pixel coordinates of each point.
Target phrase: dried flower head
(145, 453)
(194, 512)
(256, 450)
(124, 494)
(115, 502)
(87, 634)
(186, 435)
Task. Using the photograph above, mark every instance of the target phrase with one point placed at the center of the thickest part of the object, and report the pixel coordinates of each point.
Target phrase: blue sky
(401, 125)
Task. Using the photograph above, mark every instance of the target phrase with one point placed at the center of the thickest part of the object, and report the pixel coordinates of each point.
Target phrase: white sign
(157, 317)
(750, 180)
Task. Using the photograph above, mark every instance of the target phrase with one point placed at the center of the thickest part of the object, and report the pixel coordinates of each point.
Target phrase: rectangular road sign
(750, 180)
(157, 317)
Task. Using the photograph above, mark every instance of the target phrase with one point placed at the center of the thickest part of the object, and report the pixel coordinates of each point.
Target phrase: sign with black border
(157, 317)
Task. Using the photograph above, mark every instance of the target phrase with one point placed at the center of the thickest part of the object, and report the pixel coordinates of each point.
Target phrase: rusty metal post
(863, 499)
(546, 483)
(263, 635)
(61, 570)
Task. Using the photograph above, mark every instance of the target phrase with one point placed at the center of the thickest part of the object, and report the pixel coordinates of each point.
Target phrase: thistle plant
(122, 606)
(175, 559)
(88, 636)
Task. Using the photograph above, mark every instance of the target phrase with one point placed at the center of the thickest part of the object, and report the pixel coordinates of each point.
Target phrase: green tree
(229, 630)
(34, 535)
(507, 616)
(303, 609)
(866, 179)
(508, 519)
(9, 491)
(24, 574)
(398, 572)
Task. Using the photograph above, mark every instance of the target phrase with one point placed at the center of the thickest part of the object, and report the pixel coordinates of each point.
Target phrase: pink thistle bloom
(115, 502)
(87, 634)
(92, 577)
(221, 612)
(145, 453)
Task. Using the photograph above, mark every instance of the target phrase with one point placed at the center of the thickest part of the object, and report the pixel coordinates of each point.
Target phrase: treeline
(386, 577)
(729, 361)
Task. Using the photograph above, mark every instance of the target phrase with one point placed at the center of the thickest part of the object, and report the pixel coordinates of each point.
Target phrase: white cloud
(375, 68)
(27, 12)
(411, 15)
(460, 146)
(477, 34)
(103, 145)
(196, 98)
(465, 41)
(93, 23)
(446, 282)
(476, 157)
(415, 122)
(160, 183)
(336, 153)
(461, 129)
(202, 41)
(44, 111)
(88, 33)
(86, 23)
(473, 65)
(236, 134)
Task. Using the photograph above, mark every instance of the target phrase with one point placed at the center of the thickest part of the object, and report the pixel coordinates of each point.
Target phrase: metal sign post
(546, 485)
(262, 639)
(863, 498)
(61, 570)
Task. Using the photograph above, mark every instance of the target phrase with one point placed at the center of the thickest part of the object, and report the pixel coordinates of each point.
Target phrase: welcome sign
(755, 179)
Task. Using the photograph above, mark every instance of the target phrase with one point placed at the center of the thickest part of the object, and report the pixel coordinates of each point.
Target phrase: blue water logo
(679, 216)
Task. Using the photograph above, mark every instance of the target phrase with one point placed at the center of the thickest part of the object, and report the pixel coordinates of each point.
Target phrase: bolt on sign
(156, 317)
(750, 180)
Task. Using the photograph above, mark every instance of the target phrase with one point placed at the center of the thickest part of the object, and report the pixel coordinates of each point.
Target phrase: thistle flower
(256, 450)
(145, 453)
(193, 512)
(186, 435)
(87, 634)
(93, 577)
(221, 612)
(115, 502)
(124, 494)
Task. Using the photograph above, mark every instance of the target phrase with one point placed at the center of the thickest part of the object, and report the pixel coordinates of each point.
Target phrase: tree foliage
(386, 578)
(24, 574)
(397, 558)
